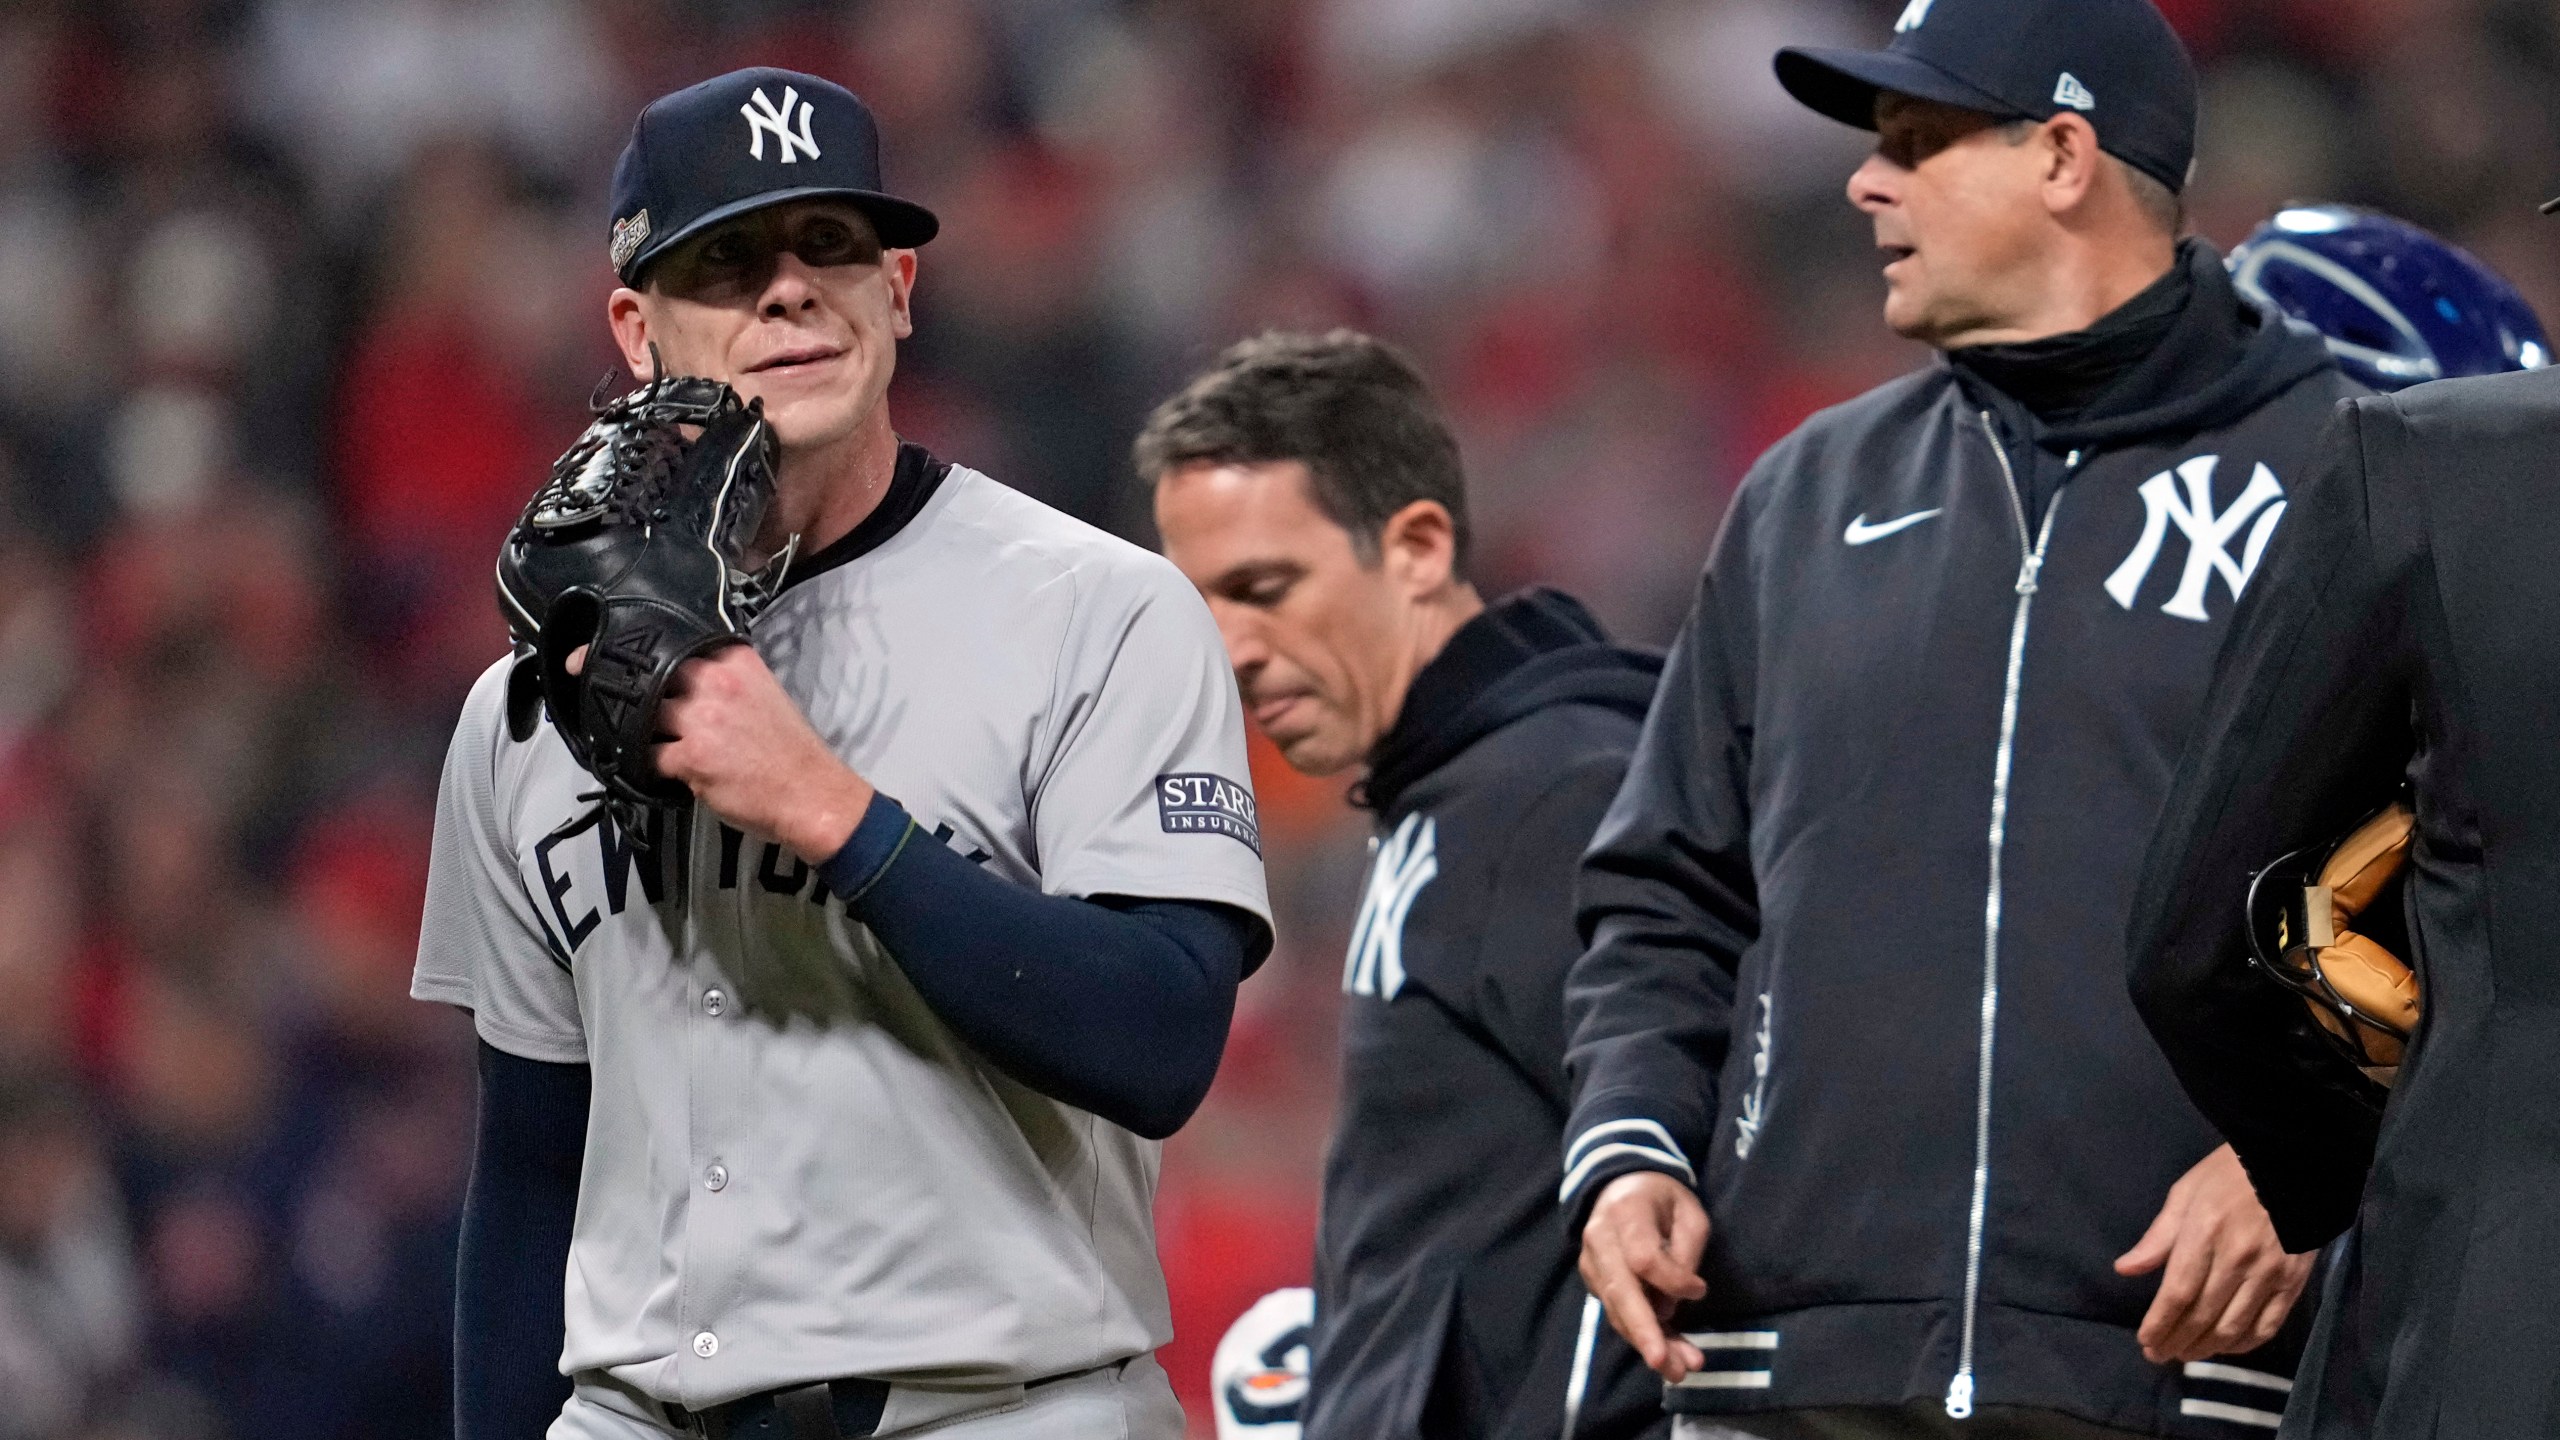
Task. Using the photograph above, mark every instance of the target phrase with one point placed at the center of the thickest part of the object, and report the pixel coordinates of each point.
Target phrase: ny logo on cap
(777, 120)
(1912, 15)
(2069, 91)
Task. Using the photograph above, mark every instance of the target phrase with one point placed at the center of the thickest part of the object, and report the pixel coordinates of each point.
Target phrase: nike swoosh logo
(1861, 533)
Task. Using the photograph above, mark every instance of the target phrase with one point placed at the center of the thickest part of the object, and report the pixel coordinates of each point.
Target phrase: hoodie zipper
(2031, 560)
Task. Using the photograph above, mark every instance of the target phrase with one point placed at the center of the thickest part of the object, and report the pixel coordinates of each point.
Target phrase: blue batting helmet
(2396, 304)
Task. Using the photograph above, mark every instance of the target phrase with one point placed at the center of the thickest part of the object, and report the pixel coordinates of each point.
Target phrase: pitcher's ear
(626, 313)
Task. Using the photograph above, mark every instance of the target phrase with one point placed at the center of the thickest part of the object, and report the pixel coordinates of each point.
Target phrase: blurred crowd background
(298, 299)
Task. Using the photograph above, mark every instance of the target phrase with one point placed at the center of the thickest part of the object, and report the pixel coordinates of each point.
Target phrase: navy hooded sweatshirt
(1447, 1302)
(1854, 968)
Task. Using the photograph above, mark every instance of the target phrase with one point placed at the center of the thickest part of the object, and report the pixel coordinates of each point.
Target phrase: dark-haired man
(1308, 486)
(1851, 1029)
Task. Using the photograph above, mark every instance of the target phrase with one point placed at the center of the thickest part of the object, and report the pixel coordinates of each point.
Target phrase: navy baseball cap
(742, 141)
(2115, 61)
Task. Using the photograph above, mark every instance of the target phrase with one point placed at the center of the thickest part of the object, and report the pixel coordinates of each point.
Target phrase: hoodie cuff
(1606, 1145)
(2311, 1204)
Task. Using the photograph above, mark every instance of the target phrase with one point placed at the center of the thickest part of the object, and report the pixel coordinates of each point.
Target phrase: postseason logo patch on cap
(1207, 805)
(629, 234)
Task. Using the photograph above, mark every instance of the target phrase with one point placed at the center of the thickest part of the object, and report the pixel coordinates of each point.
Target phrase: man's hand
(750, 755)
(1640, 1254)
(2229, 1284)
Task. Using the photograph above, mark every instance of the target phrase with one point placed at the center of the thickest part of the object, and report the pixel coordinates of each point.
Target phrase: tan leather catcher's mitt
(2327, 923)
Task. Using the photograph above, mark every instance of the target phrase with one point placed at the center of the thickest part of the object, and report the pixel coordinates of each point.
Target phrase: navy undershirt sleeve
(514, 1262)
(1114, 1004)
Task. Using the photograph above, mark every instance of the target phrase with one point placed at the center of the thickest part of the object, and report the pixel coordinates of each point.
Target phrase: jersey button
(713, 1002)
(706, 1344)
(716, 1178)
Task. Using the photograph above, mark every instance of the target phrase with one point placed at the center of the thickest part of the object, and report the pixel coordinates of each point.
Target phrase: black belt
(826, 1410)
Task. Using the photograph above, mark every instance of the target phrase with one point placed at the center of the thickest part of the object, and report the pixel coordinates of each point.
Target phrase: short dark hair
(2166, 208)
(1350, 407)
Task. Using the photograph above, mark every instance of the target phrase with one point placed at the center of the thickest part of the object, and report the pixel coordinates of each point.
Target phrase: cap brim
(901, 224)
(1843, 83)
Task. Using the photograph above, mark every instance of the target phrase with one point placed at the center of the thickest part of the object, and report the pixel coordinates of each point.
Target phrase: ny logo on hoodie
(1406, 861)
(2209, 534)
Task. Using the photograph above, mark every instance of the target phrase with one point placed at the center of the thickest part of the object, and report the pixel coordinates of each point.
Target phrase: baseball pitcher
(849, 879)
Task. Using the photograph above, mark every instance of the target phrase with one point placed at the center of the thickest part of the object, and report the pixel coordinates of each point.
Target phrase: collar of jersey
(911, 486)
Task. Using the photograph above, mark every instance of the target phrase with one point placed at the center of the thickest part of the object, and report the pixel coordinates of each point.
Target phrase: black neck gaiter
(2056, 378)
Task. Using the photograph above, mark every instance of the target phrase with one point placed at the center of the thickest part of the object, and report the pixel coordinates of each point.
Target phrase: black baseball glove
(635, 548)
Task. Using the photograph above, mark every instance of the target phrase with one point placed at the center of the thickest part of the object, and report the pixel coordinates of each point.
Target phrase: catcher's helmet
(2396, 304)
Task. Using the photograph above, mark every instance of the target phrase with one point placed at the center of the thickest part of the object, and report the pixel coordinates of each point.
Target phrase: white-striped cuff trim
(2237, 1375)
(1601, 1154)
(1733, 1339)
(1649, 1129)
(2236, 1414)
(1724, 1380)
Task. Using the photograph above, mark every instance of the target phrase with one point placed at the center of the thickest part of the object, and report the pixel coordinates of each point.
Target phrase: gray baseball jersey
(793, 1170)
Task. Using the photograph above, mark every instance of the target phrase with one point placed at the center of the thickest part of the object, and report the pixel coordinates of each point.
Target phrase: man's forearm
(512, 1271)
(1667, 904)
(2306, 728)
(1652, 1017)
(1120, 1008)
